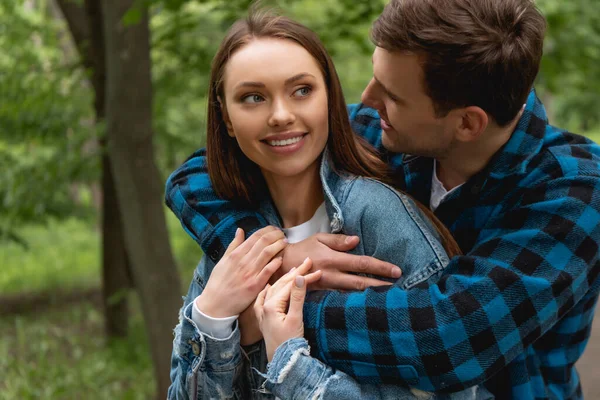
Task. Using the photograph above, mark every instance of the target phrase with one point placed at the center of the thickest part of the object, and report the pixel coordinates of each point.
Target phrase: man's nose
(281, 114)
(370, 96)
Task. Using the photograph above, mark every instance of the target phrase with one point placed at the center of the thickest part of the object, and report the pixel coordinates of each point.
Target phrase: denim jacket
(391, 228)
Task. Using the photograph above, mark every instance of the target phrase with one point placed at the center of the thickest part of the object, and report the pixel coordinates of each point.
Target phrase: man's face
(407, 115)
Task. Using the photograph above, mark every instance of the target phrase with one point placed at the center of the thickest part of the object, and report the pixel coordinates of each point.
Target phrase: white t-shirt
(221, 328)
(438, 191)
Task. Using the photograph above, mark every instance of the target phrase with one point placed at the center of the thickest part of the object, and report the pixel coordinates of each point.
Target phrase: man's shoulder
(573, 153)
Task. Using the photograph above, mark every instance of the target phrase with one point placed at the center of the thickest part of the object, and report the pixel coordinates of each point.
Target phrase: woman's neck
(296, 197)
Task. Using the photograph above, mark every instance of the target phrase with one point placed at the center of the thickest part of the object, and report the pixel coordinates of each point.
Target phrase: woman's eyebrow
(250, 84)
(288, 81)
(297, 77)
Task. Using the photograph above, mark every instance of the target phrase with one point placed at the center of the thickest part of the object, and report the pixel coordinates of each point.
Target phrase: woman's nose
(282, 114)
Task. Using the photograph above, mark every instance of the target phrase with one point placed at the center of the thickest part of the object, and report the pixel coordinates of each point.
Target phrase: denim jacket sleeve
(294, 375)
(392, 228)
(202, 366)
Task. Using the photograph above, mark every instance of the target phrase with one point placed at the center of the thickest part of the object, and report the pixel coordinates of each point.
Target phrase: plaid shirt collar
(513, 158)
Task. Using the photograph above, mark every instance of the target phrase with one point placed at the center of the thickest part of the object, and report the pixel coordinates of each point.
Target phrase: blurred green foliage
(49, 158)
(47, 133)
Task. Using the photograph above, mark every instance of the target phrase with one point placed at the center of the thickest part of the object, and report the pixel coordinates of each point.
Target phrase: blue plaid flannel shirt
(514, 313)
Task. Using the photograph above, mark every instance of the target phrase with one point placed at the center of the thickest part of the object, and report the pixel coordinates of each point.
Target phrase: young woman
(279, 140)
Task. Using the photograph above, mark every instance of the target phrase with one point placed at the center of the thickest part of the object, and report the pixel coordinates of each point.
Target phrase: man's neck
(467, 159)
(296, 198)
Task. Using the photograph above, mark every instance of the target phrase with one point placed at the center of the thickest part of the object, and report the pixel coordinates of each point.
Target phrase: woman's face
(276, 106)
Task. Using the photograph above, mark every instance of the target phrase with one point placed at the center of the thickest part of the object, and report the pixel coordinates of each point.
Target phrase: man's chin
(388, 143)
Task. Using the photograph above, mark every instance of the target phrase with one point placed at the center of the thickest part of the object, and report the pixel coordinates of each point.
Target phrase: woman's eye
(252, 99)
(303, 92)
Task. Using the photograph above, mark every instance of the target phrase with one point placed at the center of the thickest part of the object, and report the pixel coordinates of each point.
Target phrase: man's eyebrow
(287, 81)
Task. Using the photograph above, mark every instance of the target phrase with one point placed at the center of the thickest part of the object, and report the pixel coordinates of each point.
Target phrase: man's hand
(327, 252)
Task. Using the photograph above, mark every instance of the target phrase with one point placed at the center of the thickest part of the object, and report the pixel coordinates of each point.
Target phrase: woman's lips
(287, 148)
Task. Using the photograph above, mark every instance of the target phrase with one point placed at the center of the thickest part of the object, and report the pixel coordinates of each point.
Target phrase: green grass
(62, 354)
(66, 254)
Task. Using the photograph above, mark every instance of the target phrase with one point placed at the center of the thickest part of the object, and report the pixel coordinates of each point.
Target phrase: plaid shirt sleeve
(209, 220)
(532, 264)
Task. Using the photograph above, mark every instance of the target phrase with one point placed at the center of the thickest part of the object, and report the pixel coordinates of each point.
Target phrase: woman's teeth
(285, 142)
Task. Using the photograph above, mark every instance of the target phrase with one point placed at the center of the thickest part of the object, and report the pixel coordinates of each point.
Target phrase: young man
(451, 104)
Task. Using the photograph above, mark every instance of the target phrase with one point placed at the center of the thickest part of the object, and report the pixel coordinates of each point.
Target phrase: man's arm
(531, 266)
(208, 219)
(212, 222)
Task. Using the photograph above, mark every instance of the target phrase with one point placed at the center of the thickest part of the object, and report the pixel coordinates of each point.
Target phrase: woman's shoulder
(380, 209)
(367, 194)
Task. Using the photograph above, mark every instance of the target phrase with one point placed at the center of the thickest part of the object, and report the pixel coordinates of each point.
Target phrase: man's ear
(226, 117)
(472, 122)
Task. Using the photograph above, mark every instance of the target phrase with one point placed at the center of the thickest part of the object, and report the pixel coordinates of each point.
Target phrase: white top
(317, 224)
(221, 328)
(438, 191)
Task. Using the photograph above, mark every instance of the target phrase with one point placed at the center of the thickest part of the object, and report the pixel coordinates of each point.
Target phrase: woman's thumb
(297, 297)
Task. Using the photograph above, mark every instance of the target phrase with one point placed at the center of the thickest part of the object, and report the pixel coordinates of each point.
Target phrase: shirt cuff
(215, 328)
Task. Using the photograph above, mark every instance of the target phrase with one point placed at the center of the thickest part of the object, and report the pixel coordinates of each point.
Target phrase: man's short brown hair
(474, 52)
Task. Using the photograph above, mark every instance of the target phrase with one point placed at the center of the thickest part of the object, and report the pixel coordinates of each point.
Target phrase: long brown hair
(233, 176)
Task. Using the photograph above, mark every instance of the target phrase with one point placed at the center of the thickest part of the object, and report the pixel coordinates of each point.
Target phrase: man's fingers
(344, 281)
(338, 242)
(365, 265)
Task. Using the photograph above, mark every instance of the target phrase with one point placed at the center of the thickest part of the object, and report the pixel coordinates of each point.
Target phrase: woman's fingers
(259, 303)
(261, 249)
(268, 252)
(313, 277)
(256, 236)
(238, 239)
(265, 274)
(302, 269)
(297, 297)
(289, 277)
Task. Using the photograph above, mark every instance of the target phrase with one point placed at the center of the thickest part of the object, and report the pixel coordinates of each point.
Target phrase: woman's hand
(248, 323)
(243, 271)
(279, 307)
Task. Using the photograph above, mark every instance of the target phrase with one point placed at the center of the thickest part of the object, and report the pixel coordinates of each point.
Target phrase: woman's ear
(226, 119)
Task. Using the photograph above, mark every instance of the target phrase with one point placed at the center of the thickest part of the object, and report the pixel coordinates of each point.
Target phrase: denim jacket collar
(335, 185)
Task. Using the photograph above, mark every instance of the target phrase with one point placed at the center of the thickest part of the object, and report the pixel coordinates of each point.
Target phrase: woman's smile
(286, 143)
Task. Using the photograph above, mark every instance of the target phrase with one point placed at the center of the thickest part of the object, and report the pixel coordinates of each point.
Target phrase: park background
(99, 102)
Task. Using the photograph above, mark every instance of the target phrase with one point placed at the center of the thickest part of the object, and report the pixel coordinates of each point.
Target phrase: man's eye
(303, 91)
(252, 99)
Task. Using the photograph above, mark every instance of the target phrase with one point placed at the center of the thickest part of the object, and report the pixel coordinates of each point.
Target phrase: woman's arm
(204, 366)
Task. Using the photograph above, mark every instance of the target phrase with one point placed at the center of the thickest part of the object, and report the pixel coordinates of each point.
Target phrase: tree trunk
(139, 190)
(86, 27)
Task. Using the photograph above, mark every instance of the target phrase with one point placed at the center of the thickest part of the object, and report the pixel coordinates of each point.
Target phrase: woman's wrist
(207, 304)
